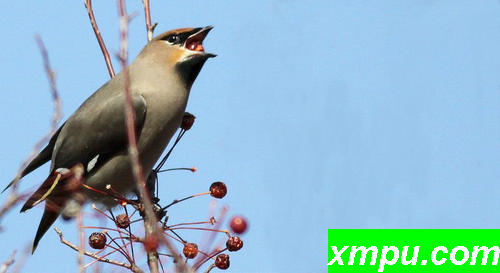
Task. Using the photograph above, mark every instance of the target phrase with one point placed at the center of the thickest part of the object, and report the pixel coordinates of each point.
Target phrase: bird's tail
(42, 192)
(55, 191)
(50, 215)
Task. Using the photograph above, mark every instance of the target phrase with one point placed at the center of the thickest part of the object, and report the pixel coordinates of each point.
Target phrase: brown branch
(102, 45)
(5, 265)
(56, 117)
(147, 15)
(132, 267)
(150, 222)
(21, 260)
(81, 237)
(57, 113)
(11, 202)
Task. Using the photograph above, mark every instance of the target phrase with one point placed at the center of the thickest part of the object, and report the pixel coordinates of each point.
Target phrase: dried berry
(238, 224)
(234, 243)
(187, 121)
(150, 243)
(222, 261)
(218, 190)
(122, 221)
(97, 240)
(190, 250)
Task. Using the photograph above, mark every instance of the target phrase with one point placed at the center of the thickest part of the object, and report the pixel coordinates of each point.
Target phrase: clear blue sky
(323, 114)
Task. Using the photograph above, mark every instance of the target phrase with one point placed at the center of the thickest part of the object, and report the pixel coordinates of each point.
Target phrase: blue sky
(332, 114)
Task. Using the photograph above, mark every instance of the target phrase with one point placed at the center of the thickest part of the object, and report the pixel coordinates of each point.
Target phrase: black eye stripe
(176, 39)
(179, 38)
(172, 38)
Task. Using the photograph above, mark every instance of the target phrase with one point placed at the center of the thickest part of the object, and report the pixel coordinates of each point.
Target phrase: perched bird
(94, 136)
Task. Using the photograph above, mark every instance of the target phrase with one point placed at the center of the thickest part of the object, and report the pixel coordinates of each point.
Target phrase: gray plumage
(160, 81)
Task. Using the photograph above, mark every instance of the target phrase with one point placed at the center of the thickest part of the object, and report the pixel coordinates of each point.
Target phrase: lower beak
(195, 41)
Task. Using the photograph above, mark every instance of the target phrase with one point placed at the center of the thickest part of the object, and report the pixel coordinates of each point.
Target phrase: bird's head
(183, 49)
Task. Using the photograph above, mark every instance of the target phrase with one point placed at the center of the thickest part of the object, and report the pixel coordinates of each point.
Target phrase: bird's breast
(163, 117)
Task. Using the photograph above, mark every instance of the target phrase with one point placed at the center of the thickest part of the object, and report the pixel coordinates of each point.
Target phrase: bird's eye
(173, 39)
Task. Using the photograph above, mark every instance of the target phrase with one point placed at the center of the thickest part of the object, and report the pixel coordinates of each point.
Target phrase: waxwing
(94, 136)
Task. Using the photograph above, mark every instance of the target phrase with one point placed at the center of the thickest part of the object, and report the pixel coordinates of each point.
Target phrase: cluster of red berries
(238, 224)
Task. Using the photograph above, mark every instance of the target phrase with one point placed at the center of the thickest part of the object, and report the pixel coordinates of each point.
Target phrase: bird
(93, 140)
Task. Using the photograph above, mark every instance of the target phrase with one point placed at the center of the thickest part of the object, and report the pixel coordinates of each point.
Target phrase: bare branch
(102, 45)
(134, 268)
(57, 113)
(81, 236)
(11, 202)
(56, 117)
(147, 14)
(5, 265)
(150, 222)
(21, 260)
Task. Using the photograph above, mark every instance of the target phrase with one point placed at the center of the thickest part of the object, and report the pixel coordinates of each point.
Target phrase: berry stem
(184, 199)
(205, 229)
(178, 169)
(185, 224)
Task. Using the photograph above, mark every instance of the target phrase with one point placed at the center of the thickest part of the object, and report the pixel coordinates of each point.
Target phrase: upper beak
(195, 40)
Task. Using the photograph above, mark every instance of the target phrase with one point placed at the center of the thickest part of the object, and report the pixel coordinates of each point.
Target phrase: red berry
(238, 224)
(187, 121)
(222, 261)
(97, 240)
(218, 190)
(122, 221)
(234, 243)
(150, 243)
(190, 250)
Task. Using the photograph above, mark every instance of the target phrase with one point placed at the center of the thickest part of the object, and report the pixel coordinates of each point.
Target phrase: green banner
(413, 250)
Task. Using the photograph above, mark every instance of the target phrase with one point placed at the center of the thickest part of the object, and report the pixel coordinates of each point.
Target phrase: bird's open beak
(195, 41)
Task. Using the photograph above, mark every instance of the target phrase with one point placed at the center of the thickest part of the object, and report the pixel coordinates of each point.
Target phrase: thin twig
(134, 268)
(164, 159)
(147, 14)
(57, 112)
(21, 260)
(130, 234)
(102, 45)
(211, 237)
(214, 253)
(10, 203)
(14, 197)
(5, 265)
(96, 261)
(81, 236)
(150, 218)
(121, 237)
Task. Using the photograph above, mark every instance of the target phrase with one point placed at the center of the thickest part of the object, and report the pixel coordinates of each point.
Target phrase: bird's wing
(101, 133)
(94, 131)
(39, 159)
